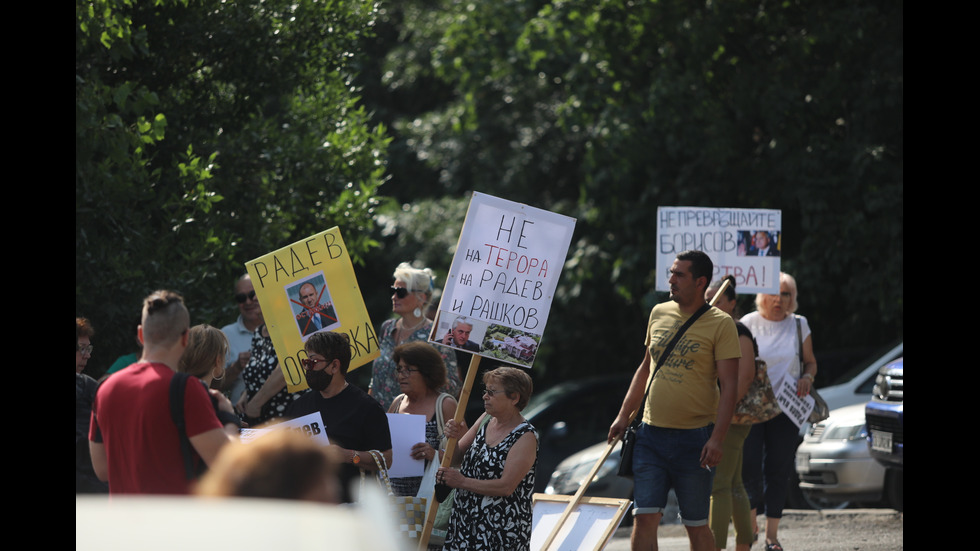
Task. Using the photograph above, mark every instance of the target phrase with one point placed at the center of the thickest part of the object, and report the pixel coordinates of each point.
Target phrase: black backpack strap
(178, 387)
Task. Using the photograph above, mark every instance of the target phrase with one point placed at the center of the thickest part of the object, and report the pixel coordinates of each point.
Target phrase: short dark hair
(332, 346)
(730, 290)
(701, 265)
(426, 358)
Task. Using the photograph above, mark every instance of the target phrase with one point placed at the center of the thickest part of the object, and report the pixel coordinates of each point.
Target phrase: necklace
(406, 331)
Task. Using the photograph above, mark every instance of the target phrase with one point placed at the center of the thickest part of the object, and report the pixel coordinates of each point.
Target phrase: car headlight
(847, 432)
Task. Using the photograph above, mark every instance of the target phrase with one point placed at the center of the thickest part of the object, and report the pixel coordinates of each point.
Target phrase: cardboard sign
(307, 287)
(746, 243)
(503, 279)
(796, 408)
(311, 425)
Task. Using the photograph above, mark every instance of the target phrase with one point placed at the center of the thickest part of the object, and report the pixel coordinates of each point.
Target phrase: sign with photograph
(746, 243)
(503, 279)
(307, 287)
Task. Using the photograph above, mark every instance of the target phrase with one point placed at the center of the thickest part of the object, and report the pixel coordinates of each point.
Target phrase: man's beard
(318, 380)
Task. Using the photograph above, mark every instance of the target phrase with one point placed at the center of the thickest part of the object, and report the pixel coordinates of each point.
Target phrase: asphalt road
(799, 530)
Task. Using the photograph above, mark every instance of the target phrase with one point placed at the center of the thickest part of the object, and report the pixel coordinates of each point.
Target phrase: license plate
(881, 441)
(802, 462)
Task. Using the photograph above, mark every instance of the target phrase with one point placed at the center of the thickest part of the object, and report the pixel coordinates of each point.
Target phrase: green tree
(605, 111)
(209, 133)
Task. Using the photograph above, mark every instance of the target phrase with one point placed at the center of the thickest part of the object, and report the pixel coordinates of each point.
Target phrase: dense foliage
(606, 110)
(209, 133)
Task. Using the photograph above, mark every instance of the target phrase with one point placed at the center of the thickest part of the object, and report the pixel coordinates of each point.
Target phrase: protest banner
(745, 243)
(503, 279)
(307, 287)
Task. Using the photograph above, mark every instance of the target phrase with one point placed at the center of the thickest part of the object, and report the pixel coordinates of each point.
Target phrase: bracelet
(807, 375)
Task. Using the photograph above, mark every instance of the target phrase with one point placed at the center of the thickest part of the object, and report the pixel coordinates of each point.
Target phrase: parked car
(855, 385)
(834, 464)
(885, 416)
(571, 416)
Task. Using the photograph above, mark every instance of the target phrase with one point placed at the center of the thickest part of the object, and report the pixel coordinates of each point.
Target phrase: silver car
(834, 464)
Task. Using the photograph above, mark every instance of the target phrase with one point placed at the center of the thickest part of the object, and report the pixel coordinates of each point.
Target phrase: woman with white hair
(410, 293)
(786, 346)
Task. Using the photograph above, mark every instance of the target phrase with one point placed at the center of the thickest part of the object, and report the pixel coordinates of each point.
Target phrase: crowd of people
(169, 421)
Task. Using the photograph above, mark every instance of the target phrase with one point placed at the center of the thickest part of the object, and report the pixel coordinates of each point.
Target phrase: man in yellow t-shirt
(689, 407)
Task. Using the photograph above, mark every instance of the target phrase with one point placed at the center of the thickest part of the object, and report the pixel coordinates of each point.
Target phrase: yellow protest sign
(306, 287)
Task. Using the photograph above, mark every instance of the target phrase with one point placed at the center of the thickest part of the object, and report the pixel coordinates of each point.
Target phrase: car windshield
(893, 350)
(539, 401)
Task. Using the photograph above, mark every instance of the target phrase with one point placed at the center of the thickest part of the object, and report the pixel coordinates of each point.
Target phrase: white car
(834, 464)
(855, 386)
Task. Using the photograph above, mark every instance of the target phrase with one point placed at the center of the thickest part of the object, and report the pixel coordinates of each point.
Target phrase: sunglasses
(310, 363)
(400, 292)
(242, 297)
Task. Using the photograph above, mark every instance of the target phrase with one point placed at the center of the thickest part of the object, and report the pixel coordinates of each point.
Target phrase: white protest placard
(746, 243)
(406, 431)
(311, 425)
(503, 279)
(796, 408)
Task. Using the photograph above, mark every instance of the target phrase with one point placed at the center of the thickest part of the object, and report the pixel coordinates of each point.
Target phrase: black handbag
(629, 435)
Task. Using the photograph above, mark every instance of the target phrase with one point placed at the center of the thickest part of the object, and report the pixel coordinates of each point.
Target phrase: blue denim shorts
(671, 458)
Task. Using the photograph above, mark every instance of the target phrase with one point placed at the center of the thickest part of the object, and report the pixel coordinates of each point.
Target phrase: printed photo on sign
(460, 332)
(511, 345)
(312, 306)
(758, 243)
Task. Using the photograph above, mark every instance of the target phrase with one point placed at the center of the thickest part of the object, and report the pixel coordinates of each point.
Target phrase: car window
(894, 351)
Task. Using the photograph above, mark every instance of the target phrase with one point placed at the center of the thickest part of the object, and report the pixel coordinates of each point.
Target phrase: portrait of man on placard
(312, 306)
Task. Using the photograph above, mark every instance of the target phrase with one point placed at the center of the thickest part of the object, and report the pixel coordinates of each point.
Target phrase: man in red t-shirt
(133, 441)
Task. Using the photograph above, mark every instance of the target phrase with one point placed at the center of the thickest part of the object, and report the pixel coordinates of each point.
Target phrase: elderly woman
(204, 358)
(421, 373)
(786, 346)
(410, 294)
(495, 484)
(729, 502)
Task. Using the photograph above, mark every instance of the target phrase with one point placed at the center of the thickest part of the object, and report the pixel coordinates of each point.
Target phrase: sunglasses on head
(400, 292)
(242, 297)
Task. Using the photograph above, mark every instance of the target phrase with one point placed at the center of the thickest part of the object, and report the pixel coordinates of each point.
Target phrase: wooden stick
(602, 459)
(464, 396)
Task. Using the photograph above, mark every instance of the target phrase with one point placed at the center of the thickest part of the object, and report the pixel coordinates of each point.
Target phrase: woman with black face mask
(354, 422)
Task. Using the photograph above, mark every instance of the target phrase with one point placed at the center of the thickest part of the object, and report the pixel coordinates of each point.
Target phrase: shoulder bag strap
(670, 348)
(439, 417)
(799, 339)
(178, 386)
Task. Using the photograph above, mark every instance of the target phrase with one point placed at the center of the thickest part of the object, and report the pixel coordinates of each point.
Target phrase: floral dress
(260, 365)
(384, 382)
(492, 523)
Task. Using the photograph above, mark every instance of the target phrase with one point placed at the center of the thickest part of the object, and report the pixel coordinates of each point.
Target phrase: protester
(770, 449)
(280, 464)
(685, 417)
(495, 484)
(85, 386)
(134, 442)
(421, 373)
(207, 348)
(729, 502)
(240, 335)
(266, 396)
(355, 423)
(411, 292)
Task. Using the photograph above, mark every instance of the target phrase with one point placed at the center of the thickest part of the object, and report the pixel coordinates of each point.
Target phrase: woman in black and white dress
(495, 484)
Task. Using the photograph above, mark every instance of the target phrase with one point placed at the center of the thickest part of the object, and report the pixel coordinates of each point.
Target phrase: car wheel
(895, 489)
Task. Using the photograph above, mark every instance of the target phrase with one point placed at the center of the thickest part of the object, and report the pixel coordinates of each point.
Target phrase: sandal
(773, 546)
